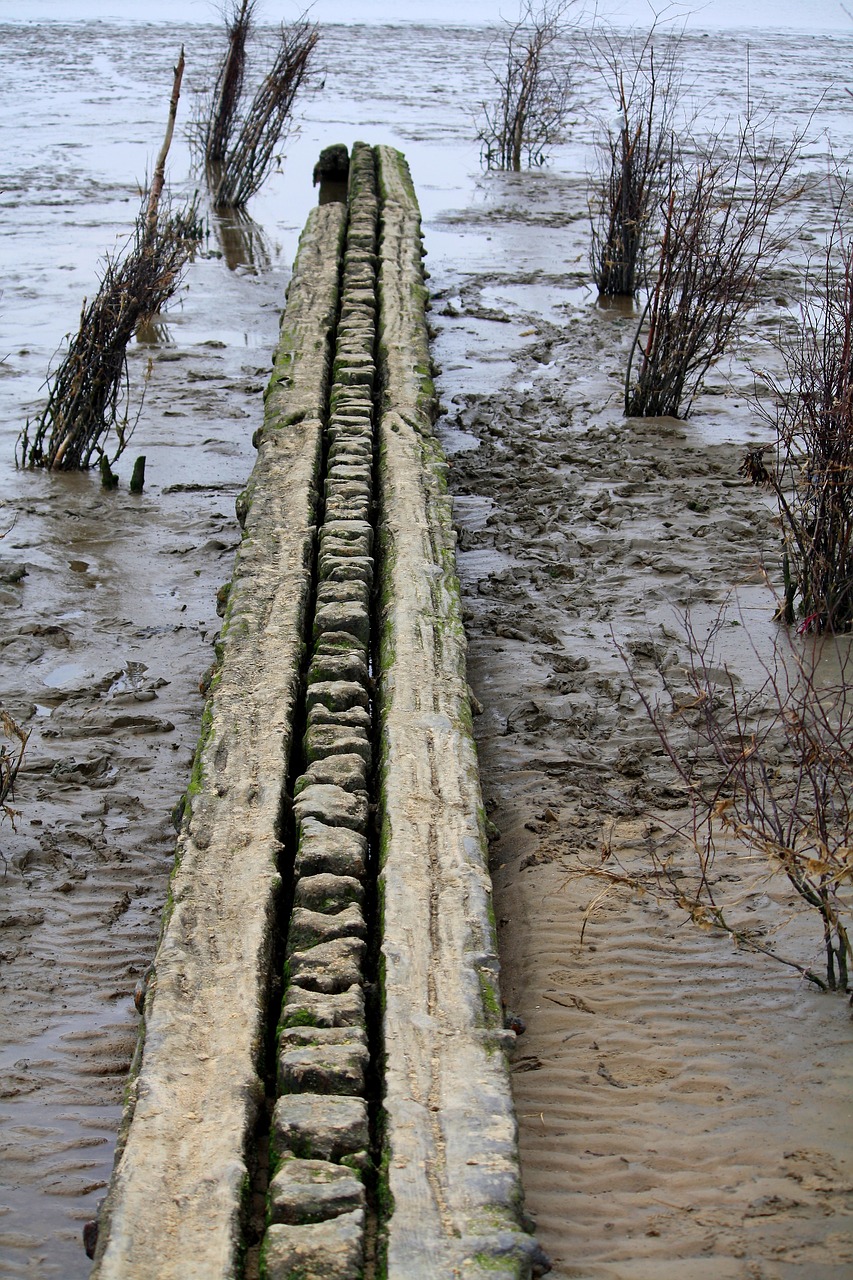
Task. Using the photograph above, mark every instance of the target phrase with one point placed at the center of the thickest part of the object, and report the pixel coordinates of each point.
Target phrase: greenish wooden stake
(137, 480)
(108, 479)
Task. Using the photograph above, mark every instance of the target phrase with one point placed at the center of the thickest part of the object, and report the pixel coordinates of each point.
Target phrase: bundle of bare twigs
(88, 395)
(88, 392)
(719, 235)
(217, 126)
(239, 146)
(810, 466)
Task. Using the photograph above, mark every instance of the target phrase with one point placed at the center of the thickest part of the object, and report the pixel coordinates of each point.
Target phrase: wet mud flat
(684, 1107)
(529, 360)
(106, 642)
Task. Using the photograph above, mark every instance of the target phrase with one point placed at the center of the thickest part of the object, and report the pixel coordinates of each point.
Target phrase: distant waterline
(713, 15)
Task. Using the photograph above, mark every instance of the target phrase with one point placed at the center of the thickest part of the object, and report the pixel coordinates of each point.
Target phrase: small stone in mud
(333, 1250)
(313, 1191)
(512, 1022)
(90, 1237)
(12, 573)
(317, 1126)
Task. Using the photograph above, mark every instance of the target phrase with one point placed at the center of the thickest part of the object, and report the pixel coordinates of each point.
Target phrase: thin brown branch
(10, 762)
(532, 98)
(774, 775)
(159, 176)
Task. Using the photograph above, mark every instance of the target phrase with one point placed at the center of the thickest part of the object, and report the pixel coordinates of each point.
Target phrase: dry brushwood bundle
(216, 129)
(88, 392)
(88, 395)
(239, 148)
(812, 476)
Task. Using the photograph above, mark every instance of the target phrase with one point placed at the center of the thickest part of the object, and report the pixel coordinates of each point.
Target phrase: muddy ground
(105, 642)
(684, 1107)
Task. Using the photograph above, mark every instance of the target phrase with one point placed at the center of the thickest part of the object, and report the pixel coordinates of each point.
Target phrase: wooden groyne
(321, 1087)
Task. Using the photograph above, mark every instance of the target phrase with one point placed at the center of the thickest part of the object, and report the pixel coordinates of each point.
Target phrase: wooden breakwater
(321, 1087)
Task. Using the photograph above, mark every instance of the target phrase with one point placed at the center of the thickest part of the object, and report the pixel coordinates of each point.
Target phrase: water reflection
(242, 242)
(616, 305)
(153, 332)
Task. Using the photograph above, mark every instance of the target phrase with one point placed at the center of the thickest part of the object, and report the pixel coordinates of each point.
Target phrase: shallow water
(110, 631)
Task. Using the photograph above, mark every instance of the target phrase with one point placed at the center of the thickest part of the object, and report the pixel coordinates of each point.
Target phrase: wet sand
(684, 1106)
(105, 642)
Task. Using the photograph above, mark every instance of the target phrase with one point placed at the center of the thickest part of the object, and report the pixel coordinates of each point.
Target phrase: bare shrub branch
(768, 774)
(812, 475)
(643, 79)
(718, 235)
(10, 762)
(533, 92)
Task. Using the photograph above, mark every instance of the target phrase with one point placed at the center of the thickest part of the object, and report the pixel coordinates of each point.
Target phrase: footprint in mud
(100, 724)
(95, 771)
